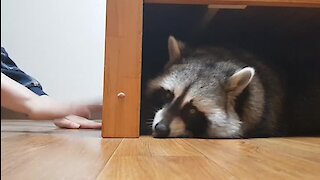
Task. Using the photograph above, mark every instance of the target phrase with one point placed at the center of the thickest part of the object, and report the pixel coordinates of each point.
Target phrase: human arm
(16, 97)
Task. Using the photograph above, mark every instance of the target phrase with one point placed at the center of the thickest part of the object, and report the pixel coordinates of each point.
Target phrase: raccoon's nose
(161, 130)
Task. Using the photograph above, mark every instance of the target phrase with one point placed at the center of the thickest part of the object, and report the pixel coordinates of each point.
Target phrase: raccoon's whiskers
(155, 110)
(149, 125)
(149, 120)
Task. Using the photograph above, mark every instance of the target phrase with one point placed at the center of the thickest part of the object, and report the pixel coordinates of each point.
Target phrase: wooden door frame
(122, 71)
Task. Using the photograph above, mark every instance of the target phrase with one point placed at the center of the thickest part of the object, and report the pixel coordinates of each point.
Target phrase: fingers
(75, 122)
(84, 123)
(65, 123)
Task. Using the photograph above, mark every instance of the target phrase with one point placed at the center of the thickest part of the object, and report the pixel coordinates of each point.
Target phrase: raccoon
(215, 93)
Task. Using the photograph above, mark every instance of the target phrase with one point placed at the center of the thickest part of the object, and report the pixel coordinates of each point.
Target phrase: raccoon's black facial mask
(174, 121)
(195, 120)
(173, 116)
(160, 97)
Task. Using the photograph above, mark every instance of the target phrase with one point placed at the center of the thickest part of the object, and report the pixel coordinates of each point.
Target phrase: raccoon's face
(196, 99)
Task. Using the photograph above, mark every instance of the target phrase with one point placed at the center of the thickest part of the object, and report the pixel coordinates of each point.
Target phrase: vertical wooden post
(122, 73)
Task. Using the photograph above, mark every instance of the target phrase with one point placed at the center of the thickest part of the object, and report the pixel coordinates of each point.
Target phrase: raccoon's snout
(161, 130)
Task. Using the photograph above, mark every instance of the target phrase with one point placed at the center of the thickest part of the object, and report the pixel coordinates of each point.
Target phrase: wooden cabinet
(122, 79)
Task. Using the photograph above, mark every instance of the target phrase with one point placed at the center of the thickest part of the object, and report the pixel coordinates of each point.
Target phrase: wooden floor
(38, 150)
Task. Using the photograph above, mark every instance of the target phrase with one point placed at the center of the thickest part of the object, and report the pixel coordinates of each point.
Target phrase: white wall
(59, 42)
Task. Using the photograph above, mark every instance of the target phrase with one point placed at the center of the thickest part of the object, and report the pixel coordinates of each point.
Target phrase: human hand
(18, 98)
(76, 122)
(89, 111)
(80, 110)
(45, 107)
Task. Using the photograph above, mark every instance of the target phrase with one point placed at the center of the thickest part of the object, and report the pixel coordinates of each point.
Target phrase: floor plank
(312, 141)
(298, 149)
(52, 153)
(146, 146)
(39, 150)
(249, 160)
(162, 167)
(149, 158)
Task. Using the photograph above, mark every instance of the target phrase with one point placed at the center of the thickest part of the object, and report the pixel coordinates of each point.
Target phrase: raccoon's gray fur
(215, 93)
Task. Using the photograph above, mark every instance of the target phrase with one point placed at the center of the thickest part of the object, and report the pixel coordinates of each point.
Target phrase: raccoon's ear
(240, 80)
(175, 47)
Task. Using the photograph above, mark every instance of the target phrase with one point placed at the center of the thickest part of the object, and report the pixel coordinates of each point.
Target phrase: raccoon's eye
(189, 111)
(192, 111)
(167, 96)
(160, 97)
(196, 121)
